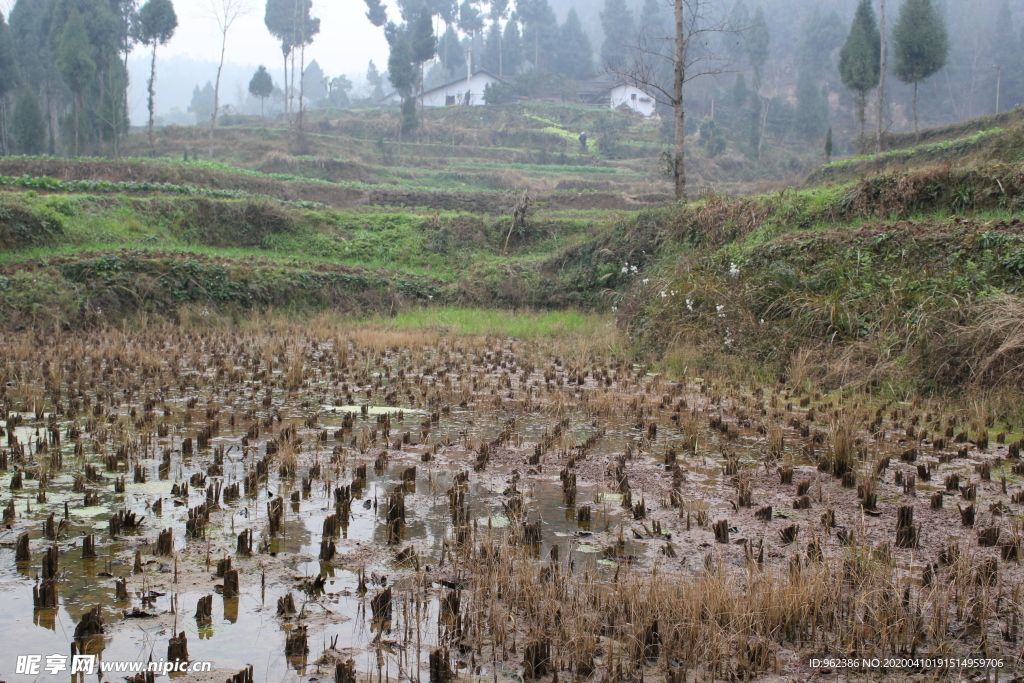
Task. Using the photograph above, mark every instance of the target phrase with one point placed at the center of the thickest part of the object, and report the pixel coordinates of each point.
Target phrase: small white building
(614, 93)
(463, 91)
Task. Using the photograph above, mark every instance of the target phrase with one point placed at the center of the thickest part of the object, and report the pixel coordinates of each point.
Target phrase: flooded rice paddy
(322, 504)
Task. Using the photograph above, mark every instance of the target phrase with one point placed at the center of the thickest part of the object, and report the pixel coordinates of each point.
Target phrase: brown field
(325, 501)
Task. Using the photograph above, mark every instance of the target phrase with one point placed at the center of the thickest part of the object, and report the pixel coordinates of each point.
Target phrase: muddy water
(246, 630)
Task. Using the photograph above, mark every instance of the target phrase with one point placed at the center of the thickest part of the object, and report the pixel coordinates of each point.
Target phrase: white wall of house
(455, 93)
(634, 98)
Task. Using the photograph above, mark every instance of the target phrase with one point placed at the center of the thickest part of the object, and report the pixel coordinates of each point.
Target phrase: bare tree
(225, 13)
(662, 65)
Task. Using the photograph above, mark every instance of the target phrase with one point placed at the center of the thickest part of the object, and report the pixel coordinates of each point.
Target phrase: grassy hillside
(510, 147)
(909, 277)
(991, 138)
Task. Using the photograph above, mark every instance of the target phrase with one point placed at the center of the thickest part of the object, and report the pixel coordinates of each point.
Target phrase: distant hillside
(998, 137)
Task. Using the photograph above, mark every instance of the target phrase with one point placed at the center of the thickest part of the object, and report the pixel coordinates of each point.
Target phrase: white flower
(734, 270)
(633, 268)
(719, 308)
(430, 296)
(625, 268)
(662, 294)
(645, 280)
(614, 309)
(762, 321)
(689, 304)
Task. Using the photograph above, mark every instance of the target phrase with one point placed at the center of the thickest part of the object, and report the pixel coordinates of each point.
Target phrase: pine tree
(828, 146)
(811, 107)
(540, 35)
(29, 127)
(75, 63)
(617, 22)
(860, 57)
(9, 77)
(511, 48)
(376, 13)
(921, 44)
(652, 21)
(202, 102)
(758, 45)
(453, 57)
(740, 95)
(314, 83)
(1005, 52)
(491, 57)
(279, 20)
(820, 36)
(575, 55)
(154, 25)
(261, 86)
(401, 70)
(375, 81)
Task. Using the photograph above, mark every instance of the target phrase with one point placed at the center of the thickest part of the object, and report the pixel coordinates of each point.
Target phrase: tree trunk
(78, 106)
(302, 80)
(917, 135)
(291, 91)
(152, 80)
(3, 124)
(216, 88)
(862, 105)
(678, 169)
(286, 110)
(765, 103)
(881, 82)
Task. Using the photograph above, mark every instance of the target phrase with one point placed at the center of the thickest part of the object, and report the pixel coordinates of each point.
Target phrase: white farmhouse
(611, 92)
(463, 91)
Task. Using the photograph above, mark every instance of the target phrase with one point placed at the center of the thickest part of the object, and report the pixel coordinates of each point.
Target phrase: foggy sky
(347, 41)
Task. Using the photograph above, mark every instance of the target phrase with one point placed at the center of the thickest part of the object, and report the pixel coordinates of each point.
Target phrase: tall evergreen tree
(375, 81)
(820, 36)
(29, 28)
(9, 78)
(921, 44)
(155, 26)
(376, 12)
(540, 31)
(491, 57)
(261, 85)
(758, 44)
(617, 22)
(652, 20)
(860, 58)
(315, 83)
(575, 56)
(499, 11)
(401, 69)
(278, 17)
(28, 125)
(450, 51)
(811, 107)
(76, 65)
(422, 39)
(511, 48)
(1005, 52)
(202, 102)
